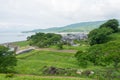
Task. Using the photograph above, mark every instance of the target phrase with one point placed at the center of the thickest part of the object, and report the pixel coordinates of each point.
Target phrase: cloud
(55, 13)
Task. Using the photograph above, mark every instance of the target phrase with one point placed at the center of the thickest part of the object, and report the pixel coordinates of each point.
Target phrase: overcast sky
(35, 14)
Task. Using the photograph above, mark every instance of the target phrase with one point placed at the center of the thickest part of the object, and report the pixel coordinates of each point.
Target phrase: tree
(113, 24)
(7, 59)
(60, 45)
(44, 40)
(98, 36)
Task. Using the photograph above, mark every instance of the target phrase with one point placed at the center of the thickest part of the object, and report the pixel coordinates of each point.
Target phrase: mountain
(77, 27)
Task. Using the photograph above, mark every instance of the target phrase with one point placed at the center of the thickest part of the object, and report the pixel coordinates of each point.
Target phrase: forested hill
(77, 27)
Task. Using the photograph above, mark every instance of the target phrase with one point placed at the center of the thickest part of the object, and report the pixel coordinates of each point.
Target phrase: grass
(81, 47)
(33, 62)
(67, 47)
(31, 77)
(22, 43)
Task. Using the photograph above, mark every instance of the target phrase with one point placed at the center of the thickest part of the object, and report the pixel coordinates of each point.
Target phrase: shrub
(98, 36)
(7, 59)
(82, 59)
(10, 75)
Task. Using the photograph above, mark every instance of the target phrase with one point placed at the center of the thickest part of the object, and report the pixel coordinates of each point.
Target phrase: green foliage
(101, 54)
(96, 55)
(98, 36)
(7, 59)
(106, 54)
(60, 46)
(82, 58)
(44, 40)
(10, 75)
(107, 74)
(112, 51)
(113, 24)
(115, 37)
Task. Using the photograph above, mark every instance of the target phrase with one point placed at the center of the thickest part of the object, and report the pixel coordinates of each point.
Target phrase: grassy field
(68, 47)
(32, 77)
(21, 43)
(33, 62)
(30, 66)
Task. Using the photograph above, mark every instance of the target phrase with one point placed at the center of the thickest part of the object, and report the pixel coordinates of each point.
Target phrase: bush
(7, 59)
(10, 75)
(60, 46)
(82, 59)
(98, 36)
(107, 74)
(101, 55)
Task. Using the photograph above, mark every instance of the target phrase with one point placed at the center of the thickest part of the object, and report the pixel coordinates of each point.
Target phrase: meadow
(33, 62)
(30, 66)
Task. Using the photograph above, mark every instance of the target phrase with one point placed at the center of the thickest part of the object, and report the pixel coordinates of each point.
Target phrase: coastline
(11, 42)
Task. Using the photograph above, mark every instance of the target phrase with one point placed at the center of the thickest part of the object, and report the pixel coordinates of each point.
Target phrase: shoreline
(11, 42)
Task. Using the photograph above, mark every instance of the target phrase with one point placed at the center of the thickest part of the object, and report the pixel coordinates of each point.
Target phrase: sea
(13, 37)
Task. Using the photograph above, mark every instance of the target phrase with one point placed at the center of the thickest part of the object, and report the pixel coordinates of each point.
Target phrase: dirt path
(55, 50)
(44, 49)
(67, 77)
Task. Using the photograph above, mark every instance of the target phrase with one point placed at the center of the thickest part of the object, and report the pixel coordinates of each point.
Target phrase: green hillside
(33, 62)
(82, 62)
(77, 27)
(30, 65)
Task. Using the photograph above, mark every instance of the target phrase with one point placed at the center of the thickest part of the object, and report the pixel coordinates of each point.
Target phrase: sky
(40, 14)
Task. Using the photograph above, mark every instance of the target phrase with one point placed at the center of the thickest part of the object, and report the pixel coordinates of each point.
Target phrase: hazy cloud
(30, 14)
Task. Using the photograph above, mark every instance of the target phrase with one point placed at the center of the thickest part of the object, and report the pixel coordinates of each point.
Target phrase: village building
(70, 37)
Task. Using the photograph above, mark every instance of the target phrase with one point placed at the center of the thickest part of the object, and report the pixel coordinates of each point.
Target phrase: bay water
(13, 37)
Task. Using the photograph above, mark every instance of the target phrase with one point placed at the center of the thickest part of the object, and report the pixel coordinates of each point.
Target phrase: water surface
(13, 37)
